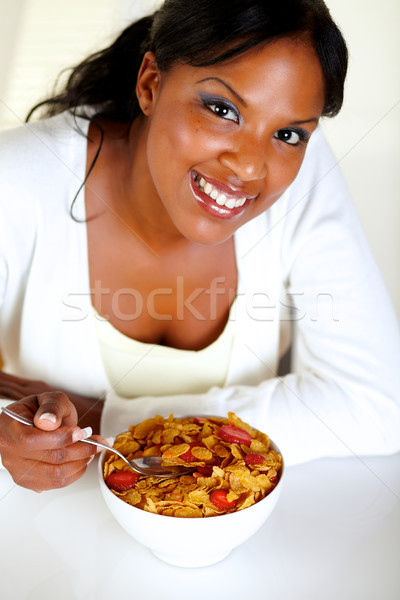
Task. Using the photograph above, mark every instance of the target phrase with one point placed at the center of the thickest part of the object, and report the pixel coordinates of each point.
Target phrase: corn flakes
(233, 465)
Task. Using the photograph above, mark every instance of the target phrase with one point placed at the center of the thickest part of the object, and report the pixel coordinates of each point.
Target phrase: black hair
(199, 33)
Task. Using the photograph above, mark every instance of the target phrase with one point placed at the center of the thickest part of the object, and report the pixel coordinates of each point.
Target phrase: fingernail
(48, 417)
(82, 434)
(110, 441)
(90, 459)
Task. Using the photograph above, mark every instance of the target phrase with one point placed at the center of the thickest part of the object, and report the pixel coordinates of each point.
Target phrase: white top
(307, 251)
(136, 368)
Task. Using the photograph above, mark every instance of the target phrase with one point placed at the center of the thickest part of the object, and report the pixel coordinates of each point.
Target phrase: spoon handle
(89, 441)
(16, 417)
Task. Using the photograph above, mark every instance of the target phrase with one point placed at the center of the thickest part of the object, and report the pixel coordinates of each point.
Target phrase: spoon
(146, 465)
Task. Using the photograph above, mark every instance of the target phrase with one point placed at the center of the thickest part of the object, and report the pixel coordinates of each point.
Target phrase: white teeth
(219, 198)
(230, 204)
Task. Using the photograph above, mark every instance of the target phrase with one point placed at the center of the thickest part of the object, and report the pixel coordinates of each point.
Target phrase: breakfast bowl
(187, 541)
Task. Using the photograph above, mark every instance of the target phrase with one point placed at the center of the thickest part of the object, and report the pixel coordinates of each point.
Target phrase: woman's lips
(218, 200)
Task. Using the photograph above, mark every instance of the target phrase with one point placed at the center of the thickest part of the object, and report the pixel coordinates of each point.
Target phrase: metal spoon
(147, 465)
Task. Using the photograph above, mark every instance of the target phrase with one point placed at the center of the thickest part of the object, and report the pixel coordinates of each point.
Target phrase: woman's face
(224, 142)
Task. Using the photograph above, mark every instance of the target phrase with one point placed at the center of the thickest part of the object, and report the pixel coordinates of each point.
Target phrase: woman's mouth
(220, 198)
(223, 204)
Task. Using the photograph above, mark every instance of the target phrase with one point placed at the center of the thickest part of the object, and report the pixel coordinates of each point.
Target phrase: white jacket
(307, 251)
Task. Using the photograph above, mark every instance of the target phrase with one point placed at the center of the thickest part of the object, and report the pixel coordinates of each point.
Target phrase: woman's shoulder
(35, 141)
(42, 165)
(41, 159)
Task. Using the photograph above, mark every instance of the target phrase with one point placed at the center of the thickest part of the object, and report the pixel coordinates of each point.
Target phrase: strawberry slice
(205, 471)
(253, 458)
(188, 456)
(234, 435)
(121, 481)
(220, 500)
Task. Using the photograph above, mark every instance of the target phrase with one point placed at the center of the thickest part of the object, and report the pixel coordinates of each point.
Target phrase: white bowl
(190, 542)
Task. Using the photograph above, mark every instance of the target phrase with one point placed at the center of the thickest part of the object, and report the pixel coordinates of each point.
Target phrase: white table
(334, 535)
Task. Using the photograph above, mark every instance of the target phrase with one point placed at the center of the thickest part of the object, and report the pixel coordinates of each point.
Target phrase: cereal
(233, 465)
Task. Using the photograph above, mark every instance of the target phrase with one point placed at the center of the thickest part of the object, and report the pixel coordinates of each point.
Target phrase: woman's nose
(247, 160)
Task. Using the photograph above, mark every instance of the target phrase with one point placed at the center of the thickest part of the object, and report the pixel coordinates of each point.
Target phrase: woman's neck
(123, 188)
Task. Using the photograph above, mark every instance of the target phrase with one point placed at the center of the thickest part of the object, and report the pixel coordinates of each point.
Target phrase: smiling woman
(232, 134)
(183, 217)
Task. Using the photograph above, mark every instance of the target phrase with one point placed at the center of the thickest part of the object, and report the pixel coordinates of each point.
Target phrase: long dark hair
(199, 33)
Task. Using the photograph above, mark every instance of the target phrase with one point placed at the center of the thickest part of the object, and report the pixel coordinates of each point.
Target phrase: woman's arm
(88, 409)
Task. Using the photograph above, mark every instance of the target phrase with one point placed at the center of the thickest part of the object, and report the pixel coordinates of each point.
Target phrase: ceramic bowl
(190, 542)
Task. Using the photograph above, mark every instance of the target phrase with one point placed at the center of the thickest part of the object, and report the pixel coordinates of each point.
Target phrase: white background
(38, 38)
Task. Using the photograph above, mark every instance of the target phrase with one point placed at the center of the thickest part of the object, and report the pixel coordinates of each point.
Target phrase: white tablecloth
(335, 534)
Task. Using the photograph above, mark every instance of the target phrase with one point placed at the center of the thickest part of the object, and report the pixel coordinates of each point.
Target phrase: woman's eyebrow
(232, 91)
(312, 120)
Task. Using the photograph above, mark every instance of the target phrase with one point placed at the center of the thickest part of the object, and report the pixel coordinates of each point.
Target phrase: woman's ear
(148, 83)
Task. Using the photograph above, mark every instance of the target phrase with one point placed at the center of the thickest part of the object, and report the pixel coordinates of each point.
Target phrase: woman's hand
(46, 456)
(17, 388)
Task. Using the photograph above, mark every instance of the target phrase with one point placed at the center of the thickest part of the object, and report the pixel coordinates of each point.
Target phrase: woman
(182, 218)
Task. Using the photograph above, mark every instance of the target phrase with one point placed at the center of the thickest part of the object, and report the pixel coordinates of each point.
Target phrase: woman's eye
(223, 111)
(292, 136)
(221, 108)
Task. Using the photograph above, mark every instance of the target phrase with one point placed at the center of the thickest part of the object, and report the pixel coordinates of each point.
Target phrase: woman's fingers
(40, 476)
(55, 409)
(51, 467)
(48, 455)
(55, 419)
